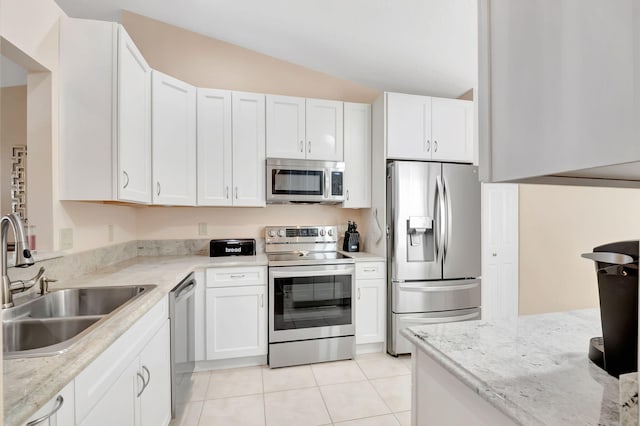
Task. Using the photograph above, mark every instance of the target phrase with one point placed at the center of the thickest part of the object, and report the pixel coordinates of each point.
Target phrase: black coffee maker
(351, 238)
(617, 270)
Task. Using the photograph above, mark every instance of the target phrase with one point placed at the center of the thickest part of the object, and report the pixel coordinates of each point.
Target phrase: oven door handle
(308, 273)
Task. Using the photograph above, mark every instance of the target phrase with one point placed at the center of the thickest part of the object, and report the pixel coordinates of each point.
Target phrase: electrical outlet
(110, 233)
(202, 229)
(66, 238)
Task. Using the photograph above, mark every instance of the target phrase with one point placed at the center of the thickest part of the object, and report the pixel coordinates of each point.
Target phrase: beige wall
(212, 63)
(557, 224)
(13, 131)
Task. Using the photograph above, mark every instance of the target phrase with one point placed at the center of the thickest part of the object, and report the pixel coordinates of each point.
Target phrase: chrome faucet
(23, 256)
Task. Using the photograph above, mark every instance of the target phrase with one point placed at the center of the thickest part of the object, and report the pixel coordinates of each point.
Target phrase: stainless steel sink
(73, 302)
(50, 324)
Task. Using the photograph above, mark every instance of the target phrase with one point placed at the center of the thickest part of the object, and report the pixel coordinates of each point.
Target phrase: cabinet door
(155, 367)
(236, 322)
(173, 138)
(214, 148)
(119, 405)
(408, 127)
(370, 311)
(357, 155)
(285, 127)
(134, 122)
(324, 130)
(60, 411)
(248, 149)
(452, 130)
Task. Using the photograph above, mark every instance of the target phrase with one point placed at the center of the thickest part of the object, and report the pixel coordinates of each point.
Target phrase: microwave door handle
(326, 183)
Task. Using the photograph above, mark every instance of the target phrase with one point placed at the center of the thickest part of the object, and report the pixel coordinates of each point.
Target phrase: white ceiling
(413, 46)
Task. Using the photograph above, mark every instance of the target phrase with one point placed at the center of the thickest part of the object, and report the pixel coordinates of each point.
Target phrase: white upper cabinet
(559, 85)
(428, 128)
(357, 155)
(408, 126)
(451, 130)
(231, 148)
(134, 119)
(214, 148)
(105, 114)
(285, 127)
(248, 111)
(173, 141)
(324, 130)
(304, 128)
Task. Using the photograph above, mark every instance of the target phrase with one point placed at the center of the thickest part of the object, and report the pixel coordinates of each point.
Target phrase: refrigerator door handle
(448, 221)
(440, 205)
(431, 289)
(443, 319)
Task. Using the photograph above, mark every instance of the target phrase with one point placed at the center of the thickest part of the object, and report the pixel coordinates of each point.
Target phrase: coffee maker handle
(607, 257)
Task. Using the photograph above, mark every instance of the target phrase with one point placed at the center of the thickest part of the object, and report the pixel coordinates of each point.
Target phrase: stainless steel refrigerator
(433, 250)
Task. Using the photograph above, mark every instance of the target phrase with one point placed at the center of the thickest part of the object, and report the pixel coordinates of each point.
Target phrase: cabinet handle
(227, 192)
(144, 384)
(158, 188)
(301, 146)
(358, 294)
(59, 402)
(262, 300)
(309, 147)
(435, 146)
(347, 195)
(236, 192)
(126, 175)
(145, 369)
(235, 277)
(369, 270)
(494, 254)
(428, 145)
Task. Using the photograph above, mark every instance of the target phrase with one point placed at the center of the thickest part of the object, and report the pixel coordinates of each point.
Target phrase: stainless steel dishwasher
(183, 351)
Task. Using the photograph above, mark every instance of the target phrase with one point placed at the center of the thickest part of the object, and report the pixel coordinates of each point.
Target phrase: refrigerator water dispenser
(420, 241)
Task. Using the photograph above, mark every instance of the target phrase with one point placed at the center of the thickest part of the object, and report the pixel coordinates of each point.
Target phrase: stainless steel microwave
(304, 181)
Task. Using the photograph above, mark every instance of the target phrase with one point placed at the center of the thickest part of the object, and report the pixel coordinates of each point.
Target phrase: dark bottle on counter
(351, 238)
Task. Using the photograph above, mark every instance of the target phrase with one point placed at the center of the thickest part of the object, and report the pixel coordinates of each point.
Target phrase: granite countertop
(534, 369)
(30, 382)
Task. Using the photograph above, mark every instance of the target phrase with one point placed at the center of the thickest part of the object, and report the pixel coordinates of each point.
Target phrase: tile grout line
(205, 398)
(264, 401)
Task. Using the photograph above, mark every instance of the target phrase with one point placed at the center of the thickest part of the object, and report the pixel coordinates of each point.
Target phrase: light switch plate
(66, 238)
(110, 233)
(202, 229)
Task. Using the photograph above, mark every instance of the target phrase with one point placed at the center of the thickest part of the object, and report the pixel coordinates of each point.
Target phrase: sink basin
(27, 335)
(73, 302)
(50, 324)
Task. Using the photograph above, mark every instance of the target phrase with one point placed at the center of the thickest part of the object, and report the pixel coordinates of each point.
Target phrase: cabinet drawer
(369, 270)
(225, 277)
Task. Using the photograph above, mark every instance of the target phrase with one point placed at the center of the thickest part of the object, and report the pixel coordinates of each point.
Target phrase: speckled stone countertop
(30, 382)
(534, 369)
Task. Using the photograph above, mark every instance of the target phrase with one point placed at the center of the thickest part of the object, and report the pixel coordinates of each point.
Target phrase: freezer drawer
(426, 296)
(397, 344)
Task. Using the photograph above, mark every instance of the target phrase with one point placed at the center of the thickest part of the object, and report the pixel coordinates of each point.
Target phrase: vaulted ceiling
(413, 46)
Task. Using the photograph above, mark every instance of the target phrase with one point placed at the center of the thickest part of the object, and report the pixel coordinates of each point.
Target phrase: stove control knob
(282, 233)
(330, 232)
(322, 232)
(272, 233)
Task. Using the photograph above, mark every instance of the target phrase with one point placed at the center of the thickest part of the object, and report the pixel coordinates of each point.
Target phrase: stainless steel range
(311, 303)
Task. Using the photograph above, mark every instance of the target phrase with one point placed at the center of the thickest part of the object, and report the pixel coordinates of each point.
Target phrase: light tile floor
(372, 390)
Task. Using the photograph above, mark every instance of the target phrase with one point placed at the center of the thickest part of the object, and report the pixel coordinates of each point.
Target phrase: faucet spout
(23, 256)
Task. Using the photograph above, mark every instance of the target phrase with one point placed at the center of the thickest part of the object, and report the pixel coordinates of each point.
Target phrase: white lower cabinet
(370, 302)
(57, 412)
(236, 313)
(129, 383)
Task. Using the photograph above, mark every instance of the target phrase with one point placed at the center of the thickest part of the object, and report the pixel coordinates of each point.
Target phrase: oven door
(311, 302)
